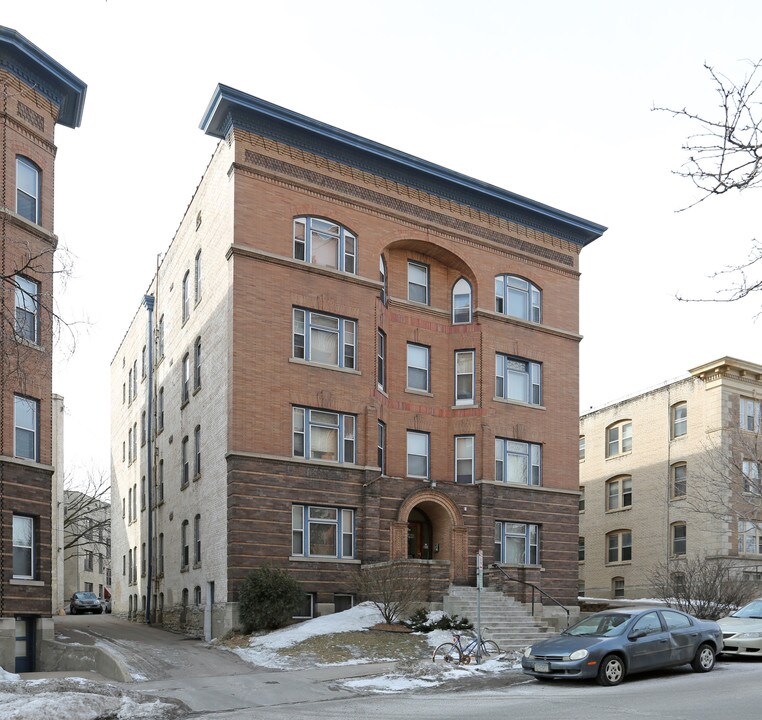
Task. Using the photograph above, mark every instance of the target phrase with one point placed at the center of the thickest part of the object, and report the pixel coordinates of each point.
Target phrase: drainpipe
(149, 302)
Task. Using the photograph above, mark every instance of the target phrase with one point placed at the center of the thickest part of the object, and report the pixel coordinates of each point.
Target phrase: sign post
(479, 585)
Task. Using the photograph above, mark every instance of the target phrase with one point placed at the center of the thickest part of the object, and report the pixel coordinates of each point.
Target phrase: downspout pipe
(149, 303)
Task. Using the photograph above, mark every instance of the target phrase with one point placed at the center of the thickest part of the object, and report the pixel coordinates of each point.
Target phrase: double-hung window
(322, 532)
(461, 302)
(324, 243)
(418, 282)
(27, 309)
(23, 547)
(197, 453)
(28, 189)
(619, 438)
(751, 410)
(186, 296)
(197, 278)
(518, 379)
(185, 390)
(518, 462)
(197, 364)
(323, 435)
(749, 538)
(619, 493)
(418, 367)
(517, 543)
(184, 463)
(518, 298)
(679, 472)
(619, 546)
(184, 547)
(381, 360)
(679, 538)
(26, 428)
(197, 540)
(465, 384)
(417, 454)
(381, 447)
(751, 477)
(679, 420)
(324, 339)
(464, 459)
(382, 276)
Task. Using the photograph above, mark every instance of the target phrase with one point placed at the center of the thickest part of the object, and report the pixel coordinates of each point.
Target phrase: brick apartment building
(672, 474)
(37, 95)
(358, 357)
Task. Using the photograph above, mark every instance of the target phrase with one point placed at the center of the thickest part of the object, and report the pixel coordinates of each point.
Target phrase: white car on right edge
(742, 631)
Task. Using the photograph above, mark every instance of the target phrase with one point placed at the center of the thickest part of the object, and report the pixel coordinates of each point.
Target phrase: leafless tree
(708, 587)
(87, 516)
(393, 587)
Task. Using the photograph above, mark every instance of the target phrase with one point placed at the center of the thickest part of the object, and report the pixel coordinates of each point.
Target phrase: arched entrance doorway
(419, 544)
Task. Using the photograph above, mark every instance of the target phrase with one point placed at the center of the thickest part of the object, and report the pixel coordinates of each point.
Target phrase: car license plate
(542, 667)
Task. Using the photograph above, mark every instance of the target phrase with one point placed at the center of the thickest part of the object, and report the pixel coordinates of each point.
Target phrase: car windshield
(86, 596)
(605, 624)
(752, 610)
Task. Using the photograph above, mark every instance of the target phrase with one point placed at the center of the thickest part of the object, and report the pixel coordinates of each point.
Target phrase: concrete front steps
(505, 620)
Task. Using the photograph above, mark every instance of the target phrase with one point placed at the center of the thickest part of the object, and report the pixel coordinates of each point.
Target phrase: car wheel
(611, 671)
(72, 610)
(99, 611)
(704, 660)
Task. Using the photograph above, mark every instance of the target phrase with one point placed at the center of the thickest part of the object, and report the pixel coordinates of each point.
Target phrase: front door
(24, 644)
(419, 536)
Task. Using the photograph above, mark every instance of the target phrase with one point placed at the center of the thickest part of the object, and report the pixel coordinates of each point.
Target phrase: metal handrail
(534, 587)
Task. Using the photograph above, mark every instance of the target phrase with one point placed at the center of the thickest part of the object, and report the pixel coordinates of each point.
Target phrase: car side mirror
(637, 635)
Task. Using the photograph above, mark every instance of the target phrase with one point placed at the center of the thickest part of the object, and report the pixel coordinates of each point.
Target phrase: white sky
(551, 100)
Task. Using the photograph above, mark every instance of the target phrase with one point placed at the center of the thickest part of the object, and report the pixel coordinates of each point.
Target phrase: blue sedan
(609, 645)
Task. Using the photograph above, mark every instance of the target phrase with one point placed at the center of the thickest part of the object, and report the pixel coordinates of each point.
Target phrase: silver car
(742, 631)
(608, 645)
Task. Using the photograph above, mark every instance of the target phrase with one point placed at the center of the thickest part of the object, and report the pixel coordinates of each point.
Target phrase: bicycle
(455, 654)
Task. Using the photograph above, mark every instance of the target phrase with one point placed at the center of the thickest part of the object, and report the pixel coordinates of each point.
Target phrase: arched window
(461, 302)
(28, 189)
(186, 296)
(679, 538)
(619, 493)
(619, 438)
(197, 364)
(382, 274)
(197, 278)
(619, 546)
(184, 549)
(518, 298)
(197, 540)
(617, 587)
(325, 243)
(679, 478)
(679, 417)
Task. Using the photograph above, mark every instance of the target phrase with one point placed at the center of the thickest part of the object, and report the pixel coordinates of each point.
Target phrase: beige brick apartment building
(359, 357)
(37, 94)
(669, 474)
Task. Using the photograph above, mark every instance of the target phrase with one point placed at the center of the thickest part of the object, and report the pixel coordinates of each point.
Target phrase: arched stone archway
(449, 535)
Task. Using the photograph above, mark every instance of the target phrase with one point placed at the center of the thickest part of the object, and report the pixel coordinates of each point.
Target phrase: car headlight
(528, 651)
(749, 636)
(579, 655)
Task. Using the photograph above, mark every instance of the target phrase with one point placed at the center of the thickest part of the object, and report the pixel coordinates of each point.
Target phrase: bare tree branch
(87, 516)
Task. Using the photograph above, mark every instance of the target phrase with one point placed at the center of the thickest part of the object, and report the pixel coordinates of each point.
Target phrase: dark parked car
(82, 602)
(609, 645)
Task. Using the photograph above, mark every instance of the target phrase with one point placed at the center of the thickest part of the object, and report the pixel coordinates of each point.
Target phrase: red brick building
(390, 371)
(37, 94)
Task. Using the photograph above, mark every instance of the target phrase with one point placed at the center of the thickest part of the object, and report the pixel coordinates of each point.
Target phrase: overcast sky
(551, 100)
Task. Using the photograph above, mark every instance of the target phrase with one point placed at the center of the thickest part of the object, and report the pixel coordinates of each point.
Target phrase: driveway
(202, 676)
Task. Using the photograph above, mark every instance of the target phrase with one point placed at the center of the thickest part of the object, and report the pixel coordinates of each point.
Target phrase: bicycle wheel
(489, 648)
(447, 653)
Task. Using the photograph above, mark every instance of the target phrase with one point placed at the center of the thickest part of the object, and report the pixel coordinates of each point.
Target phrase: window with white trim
(381, 444)
(749, 538)
(679, 484)
(461, 302)
(464, 459)
(619, 546)
(518, 462)
(417, 454)
(465, 377)
(197, 364)
(750, 470)
(751, 410)
(382, 274)
(26, 428)
(619, 438)
(28, 189)
(197, 451)
(518, 379)
(381, 360)
(418, 282)
(23, 547)
(517, 297)
(322, 532)
(679, 419)
(617, 587)
(619, 493)
(197, 278)
(581, 448)
(186, 296)
(679, 538)
(517, 543)
(323, 435)
(184, 547)
(325, 243)
(324, 339)
(27, 309)
(184, 463)
(185, 387)
(418, 367)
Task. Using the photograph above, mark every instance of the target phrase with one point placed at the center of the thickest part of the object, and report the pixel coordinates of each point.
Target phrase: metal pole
(149, 302)
(479, 583)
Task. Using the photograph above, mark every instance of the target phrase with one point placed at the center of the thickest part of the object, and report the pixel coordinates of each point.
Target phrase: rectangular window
(381, 360)
(619, 546)
(581, 447)
(143, 493)
(617, 587)
(27, 190)
(160, 410)
(184, 548)
(517, 543)
(751, 477)
(464, 459)
(185, 389)
(679, 420)
(197, 444)
(27, 309)
(417, 454)
(184, 462)
(23, 547)
(323, 435)
(160, 341)
(518, 462)
(197, 540)
(197, 364)
(749, 538)
(159, 555)
(418, 283)
(197, 278)
(679, 539)
(582, 499)
(88, 560)
(26, 427)
(465, 382)
(382, 447)
(417, 367)
(517, 379)
(619, 493)
(324, 339)
(679, 480)
(581, 552)
(750, 414)
(322, 532)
